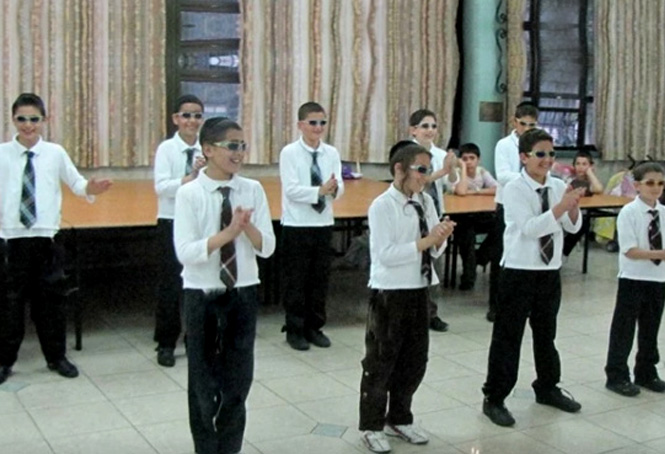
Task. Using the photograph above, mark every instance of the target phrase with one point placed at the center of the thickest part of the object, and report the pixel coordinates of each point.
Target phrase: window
(203, 54)
(559, 37)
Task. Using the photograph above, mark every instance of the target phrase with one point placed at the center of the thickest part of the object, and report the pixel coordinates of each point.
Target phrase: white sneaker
(408, 432)
(375, 440)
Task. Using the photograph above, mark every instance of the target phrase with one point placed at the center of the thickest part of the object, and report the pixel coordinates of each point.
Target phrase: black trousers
(169, 288)
(535, 295)
(32, 272)
(465, 235)
(221, 328)
(570, 240)
(396, 349)
(638, 303)
(495, 261)
(305, 261)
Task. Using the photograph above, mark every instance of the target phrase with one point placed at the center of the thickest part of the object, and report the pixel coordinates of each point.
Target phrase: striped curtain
(630, 79)
(516, 60)
(98, 65)
(370, 63)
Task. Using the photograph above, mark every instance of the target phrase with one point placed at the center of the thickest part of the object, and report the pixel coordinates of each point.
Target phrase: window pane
(562, 126)
(527, 75)
(208, 26)
(209, 62)
(558, 102)
(219, 99)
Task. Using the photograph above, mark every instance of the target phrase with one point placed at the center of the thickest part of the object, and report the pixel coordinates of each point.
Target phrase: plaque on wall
(490, 111)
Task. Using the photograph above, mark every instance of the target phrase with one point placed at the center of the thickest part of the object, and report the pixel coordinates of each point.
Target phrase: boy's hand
(443, 230)
(96, 186)
(462, 163)
(589, 171)
(571, 198)
(240, 220)
(449, 161)
(199, 164)
(329, 187)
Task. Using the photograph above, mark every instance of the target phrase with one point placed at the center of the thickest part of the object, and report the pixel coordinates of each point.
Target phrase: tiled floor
(308, 401)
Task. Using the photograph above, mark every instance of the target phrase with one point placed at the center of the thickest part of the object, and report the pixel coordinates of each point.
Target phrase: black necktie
(547, 241)
(434, 192)
(315, 172)
(189, 164)
(426, 263)
(28, 208)
(655, 238)
(229, 272)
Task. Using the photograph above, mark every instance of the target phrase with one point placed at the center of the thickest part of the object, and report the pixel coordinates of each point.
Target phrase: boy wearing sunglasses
(31, 171)
(641, 289)
(222, 224)
(507, 168)
(405, 236)
(177, 162)
(310, 172)
(538, 208)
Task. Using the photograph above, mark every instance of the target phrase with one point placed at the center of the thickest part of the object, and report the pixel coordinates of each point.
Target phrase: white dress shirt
(526, 223)
(438, 157)
(170, 164)
(632, 228)
(198, 211)
(507, 163)
(52, 165)
(394, 230)
(298, 194)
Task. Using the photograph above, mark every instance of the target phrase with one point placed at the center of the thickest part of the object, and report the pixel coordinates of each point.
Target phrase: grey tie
(28, 208)
(189, 165)
(315, 172)
(547, 241)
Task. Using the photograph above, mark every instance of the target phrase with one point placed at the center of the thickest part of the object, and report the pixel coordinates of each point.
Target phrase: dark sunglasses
(423, 170)
(32, 119)
(541, 154)
(427, 125)
(652, 183)
(528, 124)
(189, 115)
(317, 122)
(235, 147)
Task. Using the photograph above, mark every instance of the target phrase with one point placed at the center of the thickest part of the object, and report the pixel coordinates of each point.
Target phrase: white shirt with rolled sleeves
(198, 210)
(298, 194)
(632, 229)
(526, 223)
(394, 230)
(170, 164)
(507, 163)
(52, 165)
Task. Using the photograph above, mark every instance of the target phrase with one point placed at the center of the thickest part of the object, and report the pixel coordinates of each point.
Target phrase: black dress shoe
(655, 384)
(165, 356)
(316, 337)
(5, 372)
(498, 413)
(491, 315)
(64, 368)
(436, 324)
(625, 388)
(296, 341)
(466, 286)
(556, 399)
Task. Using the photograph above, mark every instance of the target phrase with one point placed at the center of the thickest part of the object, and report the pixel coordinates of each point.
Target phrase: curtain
(630, 79)
(516, 60)
(98, 65)
(369, 63)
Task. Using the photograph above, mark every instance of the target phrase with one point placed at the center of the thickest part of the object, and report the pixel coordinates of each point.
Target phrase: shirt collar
(182, 145)
(20, 148)
(644, 207)
(310, 149)
(400, 197)
(211, 185)
(533, 184)
(515, 137)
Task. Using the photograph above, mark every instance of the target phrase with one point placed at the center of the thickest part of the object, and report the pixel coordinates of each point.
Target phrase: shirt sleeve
(165, 183)
(190, 246)
(72, 178)
(383, 244)
(488, 179)
(338, 175)
(261, 219)
(293, 189)
(519, 211)
(627, 232)
(432, 220)
(502, 164)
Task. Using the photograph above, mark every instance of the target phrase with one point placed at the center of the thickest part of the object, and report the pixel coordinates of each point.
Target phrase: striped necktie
(547, 241)
(28, 208)
(315, 172)
(229, 267)
(655, 237)
(426, 262)
(189, 164)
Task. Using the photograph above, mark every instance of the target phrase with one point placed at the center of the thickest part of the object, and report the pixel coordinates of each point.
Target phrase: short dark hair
(526, 109)
(469, 148)
(532, 137)
(641, 170)
(308, 108)
(583, 154)
(29, 99)
(418, 116)
(406, 155)
(187, 99)
(215, 129)
(398, 146)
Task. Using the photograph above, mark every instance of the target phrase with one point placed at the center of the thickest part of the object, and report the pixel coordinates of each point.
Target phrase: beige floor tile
(578, 436)
(636, 423)
(513, 442)
(304, 388)
(18, 428)
(113, 362)
(262, 397)
(61, 393)
(125, 441)
(281, 366)
(62, 422)
(349, 377)
(337, 357)
(342, 411)
(154, 409)
(10, 403)
(173, 437)
(135, 384)
(27, 447)
(460, 425)
(276, 423)
(308, 443)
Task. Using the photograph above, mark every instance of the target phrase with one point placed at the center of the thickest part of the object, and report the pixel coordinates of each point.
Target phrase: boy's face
(425, 131)
(221, 158)
(525, 123)
(581, 166)
(313, 127)
(537, 167)
(186, 120)
(471, 161)
(29, 123)
(650, 187)
(416, 180)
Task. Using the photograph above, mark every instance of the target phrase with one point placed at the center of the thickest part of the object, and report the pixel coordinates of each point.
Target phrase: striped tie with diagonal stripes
(28, 208)
(547, 241)
(317, 180)
(189, 163)
(229, 267)
(426, 262)
(655, 237)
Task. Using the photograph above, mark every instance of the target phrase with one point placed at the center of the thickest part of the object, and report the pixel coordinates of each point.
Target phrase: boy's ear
(523, 158)
(174, 118)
